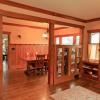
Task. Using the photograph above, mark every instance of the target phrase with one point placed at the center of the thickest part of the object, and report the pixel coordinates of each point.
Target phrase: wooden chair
(39, 64)
(46, 63)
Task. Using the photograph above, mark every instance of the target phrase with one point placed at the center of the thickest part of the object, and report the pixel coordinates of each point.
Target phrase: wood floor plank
(15, 85)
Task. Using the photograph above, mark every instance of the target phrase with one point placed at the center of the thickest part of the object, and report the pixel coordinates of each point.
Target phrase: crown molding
(93, 20)
(59, 28)
(30, 26)
(37, 19)
(27, 7)
(21, 25)
(91, 31)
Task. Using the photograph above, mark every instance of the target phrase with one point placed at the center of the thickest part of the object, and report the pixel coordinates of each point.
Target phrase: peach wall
(31, 41)
(28, 35)
(19, 53)
(93, 25)
(67, 31)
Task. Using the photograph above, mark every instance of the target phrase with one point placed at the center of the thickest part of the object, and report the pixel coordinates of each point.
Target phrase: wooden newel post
(51, 54)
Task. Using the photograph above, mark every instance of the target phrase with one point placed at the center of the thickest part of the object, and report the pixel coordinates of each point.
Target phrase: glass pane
(94, 38)
(77, 40)
(93, 51)
(73, 56)
(67, 40)
(59, 62)
(66, 50)
(57, 40)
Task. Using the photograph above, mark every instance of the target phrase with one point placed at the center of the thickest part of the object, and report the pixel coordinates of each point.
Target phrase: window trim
(74, 38)
(89, 39)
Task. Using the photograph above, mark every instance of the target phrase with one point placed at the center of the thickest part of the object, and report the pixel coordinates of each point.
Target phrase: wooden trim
(27, 7)
(92, 20)
(1, 65)
(51, 54)
(22, 16)
(6, 32)
(67, 35)
(96, 30)
(89, 32)
(74, 37)
(37, 27)
(27, 44)
(34, 18)
(67, 24)
(19, 25)
(59, 28)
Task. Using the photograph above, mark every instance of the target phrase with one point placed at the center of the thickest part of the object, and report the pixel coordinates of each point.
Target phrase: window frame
(89, 40)
(68, 35)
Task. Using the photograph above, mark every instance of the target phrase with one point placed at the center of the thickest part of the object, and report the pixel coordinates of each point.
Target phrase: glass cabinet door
(66, 51)
(75, 60)
(62, 68)
(59, 62)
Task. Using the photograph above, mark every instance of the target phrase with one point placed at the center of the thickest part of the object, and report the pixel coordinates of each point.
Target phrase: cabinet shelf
(91, 70)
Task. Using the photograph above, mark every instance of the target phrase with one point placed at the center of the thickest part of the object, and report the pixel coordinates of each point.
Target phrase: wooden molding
(20, 25)
(34, 18)
(96, 30)
(27, 7)
(92, 20)
(36, 27)
(27, 44)
(61, 28)
(78, 34)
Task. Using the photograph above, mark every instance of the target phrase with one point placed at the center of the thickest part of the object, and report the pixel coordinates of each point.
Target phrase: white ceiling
(84, 9)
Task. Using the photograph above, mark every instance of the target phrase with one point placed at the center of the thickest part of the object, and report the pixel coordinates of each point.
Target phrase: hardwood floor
(15, 85)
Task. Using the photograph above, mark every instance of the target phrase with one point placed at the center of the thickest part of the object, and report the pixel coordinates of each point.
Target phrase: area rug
(76, 93)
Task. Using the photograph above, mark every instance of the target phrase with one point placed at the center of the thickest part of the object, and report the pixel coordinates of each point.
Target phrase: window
(94, 37)
(93, 46)
(57, 40)
(67, 40)
(77, 40)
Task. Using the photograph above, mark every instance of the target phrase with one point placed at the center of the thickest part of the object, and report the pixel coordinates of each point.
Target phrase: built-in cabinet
(67, 63)
(91, 65)
(91, 70)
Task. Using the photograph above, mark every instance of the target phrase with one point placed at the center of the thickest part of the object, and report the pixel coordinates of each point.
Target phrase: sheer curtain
(93, 51)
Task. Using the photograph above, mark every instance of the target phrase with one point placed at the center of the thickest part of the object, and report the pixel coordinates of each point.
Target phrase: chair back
(40, 61)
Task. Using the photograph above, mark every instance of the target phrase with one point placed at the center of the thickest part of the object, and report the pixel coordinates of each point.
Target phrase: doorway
(5, 39)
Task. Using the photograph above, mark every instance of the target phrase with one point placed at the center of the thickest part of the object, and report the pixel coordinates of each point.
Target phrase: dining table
(30, 64)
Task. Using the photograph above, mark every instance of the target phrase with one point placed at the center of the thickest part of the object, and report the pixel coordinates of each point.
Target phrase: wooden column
(81, 43)
(99, 57)
(0, 44)
(51, 54)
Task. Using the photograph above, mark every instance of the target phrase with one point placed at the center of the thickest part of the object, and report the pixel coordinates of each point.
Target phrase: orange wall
(31, 41)
(28, 35)
(19, 52)
(67, 31)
